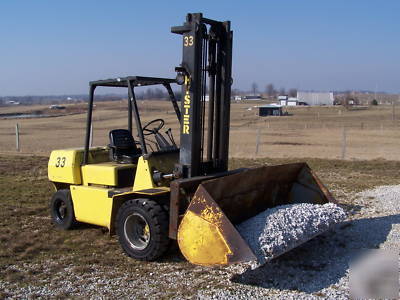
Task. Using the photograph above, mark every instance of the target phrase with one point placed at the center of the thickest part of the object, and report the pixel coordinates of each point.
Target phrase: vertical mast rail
(206, 51)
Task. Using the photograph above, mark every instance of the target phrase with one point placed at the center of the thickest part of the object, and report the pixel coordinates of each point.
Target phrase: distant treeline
(270, 91)
(149, 93)
(361, 97)
(27, 100)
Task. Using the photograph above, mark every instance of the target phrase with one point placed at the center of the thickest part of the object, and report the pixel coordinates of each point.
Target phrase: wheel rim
(60, 210)
(137, 231)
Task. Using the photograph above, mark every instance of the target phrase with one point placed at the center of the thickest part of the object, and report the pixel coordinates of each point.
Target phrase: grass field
(308, 132)
(35, 254)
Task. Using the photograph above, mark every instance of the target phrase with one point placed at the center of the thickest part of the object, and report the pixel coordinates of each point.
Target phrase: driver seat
(123, 147)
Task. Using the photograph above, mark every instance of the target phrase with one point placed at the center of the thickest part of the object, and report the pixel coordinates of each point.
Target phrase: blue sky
(56, 47)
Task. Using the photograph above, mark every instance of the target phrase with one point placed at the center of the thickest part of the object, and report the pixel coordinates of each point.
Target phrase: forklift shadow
(87, 226)
(173, 254)
(324, 260)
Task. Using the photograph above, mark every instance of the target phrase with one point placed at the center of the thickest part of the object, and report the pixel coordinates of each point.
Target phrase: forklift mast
(207, 56)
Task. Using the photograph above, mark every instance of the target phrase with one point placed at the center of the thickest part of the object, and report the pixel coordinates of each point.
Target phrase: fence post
(17, 137)
(393, 112)
(344, 142)
(258, 140)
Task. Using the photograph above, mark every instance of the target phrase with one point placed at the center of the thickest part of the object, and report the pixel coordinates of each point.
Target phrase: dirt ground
(317, 132)
(36, 260)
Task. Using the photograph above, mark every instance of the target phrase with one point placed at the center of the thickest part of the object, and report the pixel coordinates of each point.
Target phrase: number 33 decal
(60, 162)
(188, 41)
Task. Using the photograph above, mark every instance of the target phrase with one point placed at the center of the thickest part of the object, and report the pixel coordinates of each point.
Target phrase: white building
(282, 100)
(287, 101)
(312, 98)
(11, 102)
(292, 101)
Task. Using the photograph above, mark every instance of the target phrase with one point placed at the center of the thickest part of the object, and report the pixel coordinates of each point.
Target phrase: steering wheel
(155, 129)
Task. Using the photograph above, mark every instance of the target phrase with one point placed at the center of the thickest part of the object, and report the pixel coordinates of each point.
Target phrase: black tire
(62, 210)
(142, 228)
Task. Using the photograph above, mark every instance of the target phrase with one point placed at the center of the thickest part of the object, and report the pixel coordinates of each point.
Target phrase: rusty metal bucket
(207, 234)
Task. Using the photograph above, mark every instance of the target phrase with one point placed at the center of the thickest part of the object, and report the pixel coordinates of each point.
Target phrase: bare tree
(293, 92)
(235, 92)
(270, 90)
(282, 91)
(149, 94)
(159, 94)
(254, 88)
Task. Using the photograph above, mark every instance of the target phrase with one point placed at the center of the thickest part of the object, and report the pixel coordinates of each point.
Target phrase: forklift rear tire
(62, 210)
(142, 228)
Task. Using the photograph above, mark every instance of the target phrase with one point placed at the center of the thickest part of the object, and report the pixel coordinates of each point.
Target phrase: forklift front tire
(142, 228)
(62, 210)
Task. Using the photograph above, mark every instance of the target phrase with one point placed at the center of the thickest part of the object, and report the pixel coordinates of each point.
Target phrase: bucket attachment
(207, 234)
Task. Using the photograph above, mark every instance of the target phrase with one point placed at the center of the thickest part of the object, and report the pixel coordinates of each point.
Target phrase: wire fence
(349, 140)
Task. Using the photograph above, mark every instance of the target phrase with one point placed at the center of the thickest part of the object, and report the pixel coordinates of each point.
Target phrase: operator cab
(125, 147)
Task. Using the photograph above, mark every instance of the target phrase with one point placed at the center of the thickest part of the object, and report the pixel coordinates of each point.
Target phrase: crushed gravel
(282, 228)
(385, 198)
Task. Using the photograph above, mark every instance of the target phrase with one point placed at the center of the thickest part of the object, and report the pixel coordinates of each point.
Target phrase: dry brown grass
(308, 132)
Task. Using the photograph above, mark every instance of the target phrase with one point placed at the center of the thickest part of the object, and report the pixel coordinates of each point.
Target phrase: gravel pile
(282, 228)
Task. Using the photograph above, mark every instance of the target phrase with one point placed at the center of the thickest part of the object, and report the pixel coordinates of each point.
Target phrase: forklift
(152, 192)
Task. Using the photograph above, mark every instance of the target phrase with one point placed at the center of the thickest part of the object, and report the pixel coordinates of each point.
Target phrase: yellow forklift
(151, 192)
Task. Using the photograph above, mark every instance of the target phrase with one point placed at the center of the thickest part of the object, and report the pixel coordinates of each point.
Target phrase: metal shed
(270, 110)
